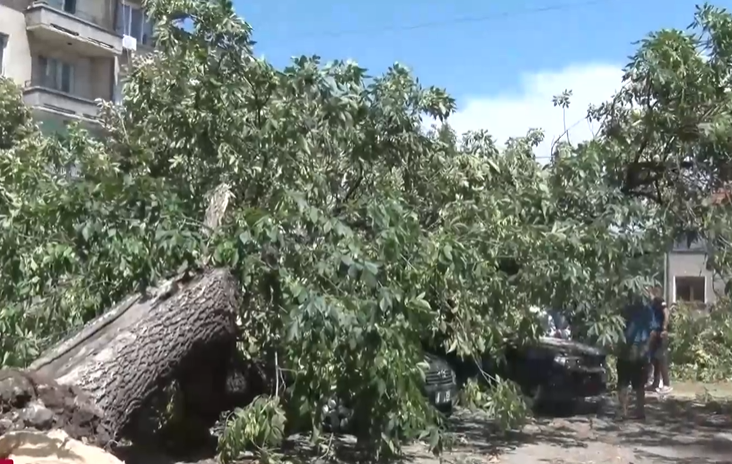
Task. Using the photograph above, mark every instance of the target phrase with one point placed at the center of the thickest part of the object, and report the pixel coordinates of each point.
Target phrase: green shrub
(259, 426)
(701, 343)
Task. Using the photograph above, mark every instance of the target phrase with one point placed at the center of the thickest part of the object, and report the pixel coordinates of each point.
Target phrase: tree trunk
(124, 357)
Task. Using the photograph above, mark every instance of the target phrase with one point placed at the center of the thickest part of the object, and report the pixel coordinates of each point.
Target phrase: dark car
(554, 371)
(440, 383)
(440, 387)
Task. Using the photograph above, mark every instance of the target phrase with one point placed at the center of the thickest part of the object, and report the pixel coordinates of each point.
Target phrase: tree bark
(124, 357)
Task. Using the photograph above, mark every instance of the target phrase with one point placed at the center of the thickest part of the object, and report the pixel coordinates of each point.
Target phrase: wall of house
(17, 5)
(17, 55)
(691, 265)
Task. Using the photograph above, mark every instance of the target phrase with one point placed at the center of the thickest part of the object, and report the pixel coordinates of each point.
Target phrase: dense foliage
(357, 236)
(702, 344)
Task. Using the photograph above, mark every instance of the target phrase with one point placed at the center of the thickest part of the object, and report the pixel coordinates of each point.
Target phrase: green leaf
(447, 251)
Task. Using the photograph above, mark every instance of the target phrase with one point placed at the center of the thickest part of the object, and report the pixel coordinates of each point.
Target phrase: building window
(690, 289)
(57, 74)
(68, 6)
(133, 21)
(3, 48)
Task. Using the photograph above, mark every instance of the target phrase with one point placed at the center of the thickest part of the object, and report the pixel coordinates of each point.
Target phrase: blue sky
(502, 68)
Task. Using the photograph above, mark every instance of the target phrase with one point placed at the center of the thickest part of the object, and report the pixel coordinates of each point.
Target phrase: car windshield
(554, 323)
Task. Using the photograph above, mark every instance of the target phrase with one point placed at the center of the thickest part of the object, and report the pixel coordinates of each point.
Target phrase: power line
(454, 21)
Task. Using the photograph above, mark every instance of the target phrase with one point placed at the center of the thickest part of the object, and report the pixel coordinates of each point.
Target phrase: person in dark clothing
(634, 355)
(659, 358)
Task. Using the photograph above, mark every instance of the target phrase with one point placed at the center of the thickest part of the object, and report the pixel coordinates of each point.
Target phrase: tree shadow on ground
(295, 449)
(678, 431)
(334, 448)
(467, 433)
(134, 454)
(476, 432)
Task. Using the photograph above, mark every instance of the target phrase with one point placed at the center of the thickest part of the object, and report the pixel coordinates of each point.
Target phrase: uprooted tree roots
(100, 383)
(27, 400)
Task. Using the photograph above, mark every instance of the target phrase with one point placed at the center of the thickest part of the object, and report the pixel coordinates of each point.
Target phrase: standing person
(659, 359)
(634, 356)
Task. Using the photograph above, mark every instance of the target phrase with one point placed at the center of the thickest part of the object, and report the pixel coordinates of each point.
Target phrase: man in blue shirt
(635, 355)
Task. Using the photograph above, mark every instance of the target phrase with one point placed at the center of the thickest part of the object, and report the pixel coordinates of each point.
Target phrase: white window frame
(58, 66)
(677, 277)
(4, 39)
(124, 22)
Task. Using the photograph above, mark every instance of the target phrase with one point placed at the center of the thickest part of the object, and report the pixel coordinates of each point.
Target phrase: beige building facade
(66, 54)
(687, 277)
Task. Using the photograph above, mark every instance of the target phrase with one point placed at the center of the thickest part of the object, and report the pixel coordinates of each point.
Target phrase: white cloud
(512, 114)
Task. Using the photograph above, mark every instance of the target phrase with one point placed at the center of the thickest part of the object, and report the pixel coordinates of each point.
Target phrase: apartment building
(68, 53)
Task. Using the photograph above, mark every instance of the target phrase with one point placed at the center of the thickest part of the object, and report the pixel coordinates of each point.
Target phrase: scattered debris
(52, 447)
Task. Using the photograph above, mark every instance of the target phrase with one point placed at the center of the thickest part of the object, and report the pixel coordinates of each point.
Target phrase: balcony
(51, 24)
(62, 105)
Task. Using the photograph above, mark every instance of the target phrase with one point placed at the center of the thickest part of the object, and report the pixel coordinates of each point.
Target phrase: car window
(560, 320)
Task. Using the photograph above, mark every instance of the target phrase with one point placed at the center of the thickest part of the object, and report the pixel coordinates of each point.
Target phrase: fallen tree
(356, 233)
(183, 330)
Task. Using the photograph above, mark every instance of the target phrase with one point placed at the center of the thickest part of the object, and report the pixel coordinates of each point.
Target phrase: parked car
(440, 387)
(554, 371)
(440, 383)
